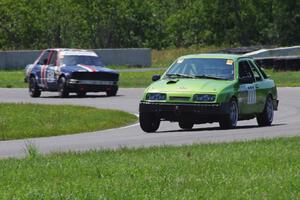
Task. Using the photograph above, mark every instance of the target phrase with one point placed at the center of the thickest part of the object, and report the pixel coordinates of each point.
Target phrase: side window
(44, 59)
(245, 70)
(53, 59)
(262, 72)
(255, 71)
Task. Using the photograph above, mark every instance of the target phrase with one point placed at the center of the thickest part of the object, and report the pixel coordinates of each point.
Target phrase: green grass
(285, 79)
(161, 58)
(267, 169)
(137, 79)
(14, 79)
(31, 120)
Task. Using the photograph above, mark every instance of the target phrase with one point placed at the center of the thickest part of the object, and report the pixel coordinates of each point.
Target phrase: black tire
(34, 90)
(63, 91)
(149, 122)
(230, 120)
(111, 93)
(185, 125)
(81, 94)
(266, 117)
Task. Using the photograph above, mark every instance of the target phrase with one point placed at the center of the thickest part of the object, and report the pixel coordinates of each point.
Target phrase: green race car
(207, 88)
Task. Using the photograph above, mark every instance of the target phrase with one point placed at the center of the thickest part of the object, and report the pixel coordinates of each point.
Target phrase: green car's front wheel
(149, 122)
(230, 120)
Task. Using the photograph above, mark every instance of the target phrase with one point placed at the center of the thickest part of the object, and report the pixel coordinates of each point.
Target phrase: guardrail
(280, 63)
(283, 59)
(130, 57)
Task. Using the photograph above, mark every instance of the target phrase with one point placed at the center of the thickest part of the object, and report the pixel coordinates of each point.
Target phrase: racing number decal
(251, 92)
(47, 75)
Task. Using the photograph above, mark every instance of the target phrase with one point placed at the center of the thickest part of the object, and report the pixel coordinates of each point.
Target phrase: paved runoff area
(286, 123)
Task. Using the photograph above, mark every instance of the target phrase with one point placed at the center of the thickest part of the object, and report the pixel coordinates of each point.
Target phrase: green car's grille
(180, 98)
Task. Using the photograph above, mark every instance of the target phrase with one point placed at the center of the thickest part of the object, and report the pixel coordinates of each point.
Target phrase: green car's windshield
(211, 68)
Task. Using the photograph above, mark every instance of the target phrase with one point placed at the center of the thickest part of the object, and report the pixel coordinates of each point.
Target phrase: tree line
(38, 24)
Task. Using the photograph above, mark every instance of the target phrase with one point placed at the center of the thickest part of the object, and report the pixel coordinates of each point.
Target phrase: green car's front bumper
(202, 112)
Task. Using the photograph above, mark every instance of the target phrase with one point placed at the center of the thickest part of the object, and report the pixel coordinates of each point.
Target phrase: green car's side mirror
(155, 77)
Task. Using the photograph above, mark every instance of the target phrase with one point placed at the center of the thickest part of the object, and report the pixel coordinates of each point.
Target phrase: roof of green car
(215, 55)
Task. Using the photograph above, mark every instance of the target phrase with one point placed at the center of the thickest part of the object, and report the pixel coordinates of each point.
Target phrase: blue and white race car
(70, 70)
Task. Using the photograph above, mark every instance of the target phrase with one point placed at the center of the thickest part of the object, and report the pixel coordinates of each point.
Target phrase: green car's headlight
(204, 97)
(156, 96)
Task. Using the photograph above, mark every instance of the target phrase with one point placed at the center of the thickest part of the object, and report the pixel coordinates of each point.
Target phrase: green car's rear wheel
(266, 117)
(149, 122)
(230, 120)
(185, 125)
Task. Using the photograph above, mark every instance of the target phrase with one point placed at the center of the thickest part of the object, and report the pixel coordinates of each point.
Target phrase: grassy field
(34, 120)
(161, 58)
(14, 79)
(267, 169)
(285, 79)
(137, 79)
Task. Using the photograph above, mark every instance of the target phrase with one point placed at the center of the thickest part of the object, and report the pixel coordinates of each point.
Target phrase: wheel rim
(270, 110)
(233, 113)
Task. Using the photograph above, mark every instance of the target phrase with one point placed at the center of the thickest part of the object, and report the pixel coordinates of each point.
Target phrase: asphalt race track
(286, 123)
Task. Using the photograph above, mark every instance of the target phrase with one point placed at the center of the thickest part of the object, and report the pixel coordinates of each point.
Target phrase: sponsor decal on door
(251, 92)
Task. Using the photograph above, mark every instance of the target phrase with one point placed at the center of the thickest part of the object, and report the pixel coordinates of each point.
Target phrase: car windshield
(85, 60)
(202, 68)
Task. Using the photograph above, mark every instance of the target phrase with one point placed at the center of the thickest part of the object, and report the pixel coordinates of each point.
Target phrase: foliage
(38, 24)
(165, 57)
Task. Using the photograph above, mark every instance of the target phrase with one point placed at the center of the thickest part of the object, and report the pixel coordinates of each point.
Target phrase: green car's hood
(187, 85)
